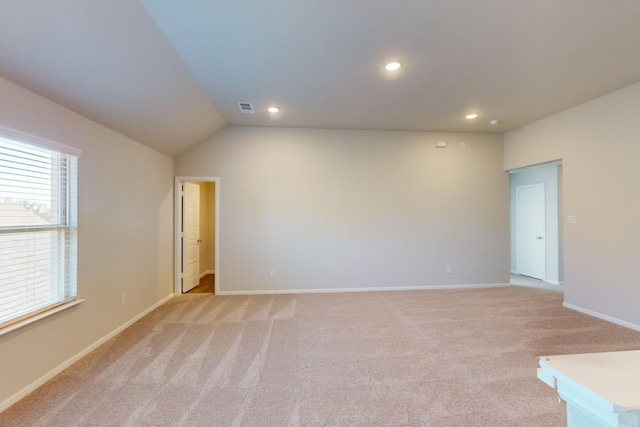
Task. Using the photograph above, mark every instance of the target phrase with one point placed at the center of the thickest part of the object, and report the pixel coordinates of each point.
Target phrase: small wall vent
(441, 144)
(245, 107)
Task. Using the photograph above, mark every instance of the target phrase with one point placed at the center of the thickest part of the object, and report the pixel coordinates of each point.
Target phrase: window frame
(66, 255)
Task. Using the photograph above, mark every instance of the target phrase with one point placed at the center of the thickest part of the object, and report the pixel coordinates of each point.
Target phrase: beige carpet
(419, 358)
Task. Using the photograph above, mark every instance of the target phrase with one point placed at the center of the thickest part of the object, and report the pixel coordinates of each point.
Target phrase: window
(38, 226)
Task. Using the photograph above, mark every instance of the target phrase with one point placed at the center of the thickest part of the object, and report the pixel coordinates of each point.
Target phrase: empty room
(284, 213)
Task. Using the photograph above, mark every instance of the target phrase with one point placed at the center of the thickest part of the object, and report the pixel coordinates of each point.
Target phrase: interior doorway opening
(536, 226)
(196, 234)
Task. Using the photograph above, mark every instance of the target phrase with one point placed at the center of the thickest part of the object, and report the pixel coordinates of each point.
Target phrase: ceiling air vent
(245, 107)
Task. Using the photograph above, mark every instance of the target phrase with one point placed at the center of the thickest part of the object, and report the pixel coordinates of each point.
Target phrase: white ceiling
(107, 60)
(170, 73)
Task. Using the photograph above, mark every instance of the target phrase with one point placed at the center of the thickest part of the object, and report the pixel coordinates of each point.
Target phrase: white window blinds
(38, 226)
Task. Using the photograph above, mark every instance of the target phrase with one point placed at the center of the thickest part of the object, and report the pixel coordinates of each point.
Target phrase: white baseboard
(64, 365)
(602, 316)
(336, 290)
(207, 272)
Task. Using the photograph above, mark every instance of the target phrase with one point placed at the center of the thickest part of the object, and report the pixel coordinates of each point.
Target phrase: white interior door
(530, 213)
(191, 252)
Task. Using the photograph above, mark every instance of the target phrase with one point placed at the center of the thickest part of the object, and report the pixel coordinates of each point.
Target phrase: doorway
(196, 234)
(536, 228)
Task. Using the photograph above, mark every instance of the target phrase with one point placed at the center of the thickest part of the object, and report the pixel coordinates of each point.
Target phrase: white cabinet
(601, 389)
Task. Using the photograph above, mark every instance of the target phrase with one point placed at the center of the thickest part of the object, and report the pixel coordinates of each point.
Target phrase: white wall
(549, 176)
(332, 209)
(599, 145)
(125, 242)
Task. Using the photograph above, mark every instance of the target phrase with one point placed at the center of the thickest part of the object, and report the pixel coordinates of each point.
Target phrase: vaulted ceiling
(170, 73)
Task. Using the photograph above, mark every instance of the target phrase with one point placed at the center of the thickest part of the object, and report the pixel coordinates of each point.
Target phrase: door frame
(178, 227)
(518, 188)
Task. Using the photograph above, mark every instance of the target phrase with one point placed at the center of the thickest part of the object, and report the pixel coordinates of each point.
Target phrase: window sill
(39, 316)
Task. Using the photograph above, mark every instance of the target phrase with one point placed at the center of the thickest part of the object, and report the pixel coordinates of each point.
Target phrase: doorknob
(200, 240)
(539, 237)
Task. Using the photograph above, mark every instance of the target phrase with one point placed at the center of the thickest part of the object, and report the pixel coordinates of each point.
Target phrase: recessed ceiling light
(273, 109)
(393, 66)
(471, 116)
(494, 122)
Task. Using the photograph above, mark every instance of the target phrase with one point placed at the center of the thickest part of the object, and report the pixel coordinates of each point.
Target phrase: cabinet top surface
(614, 376)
